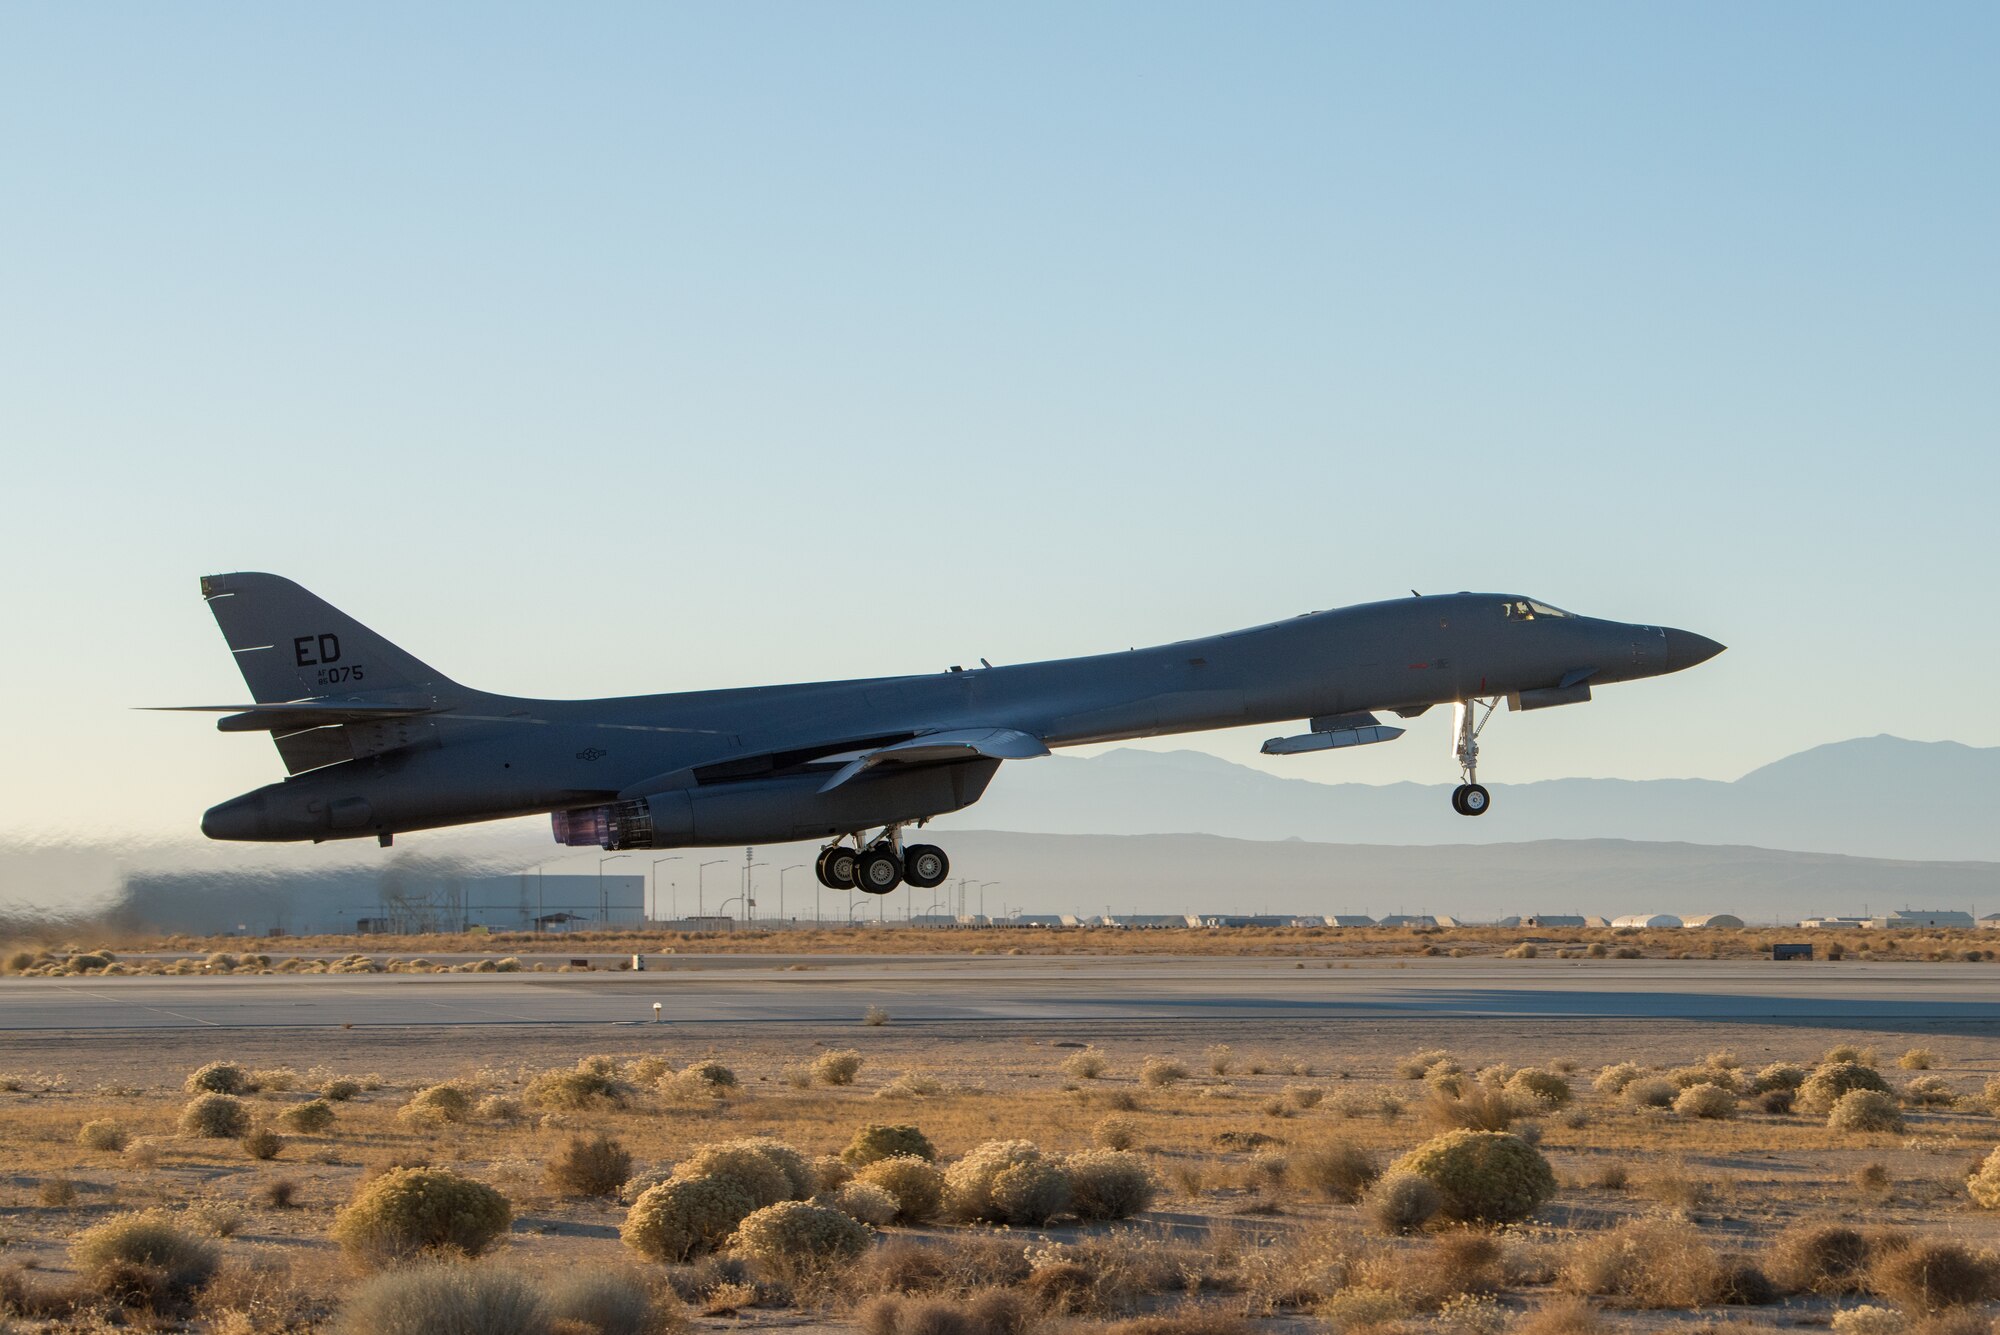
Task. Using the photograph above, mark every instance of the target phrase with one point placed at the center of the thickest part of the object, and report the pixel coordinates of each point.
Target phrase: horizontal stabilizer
(295, 715)
(934, 748)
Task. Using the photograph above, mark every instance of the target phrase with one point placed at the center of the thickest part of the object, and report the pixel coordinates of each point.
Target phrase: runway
(740, 991)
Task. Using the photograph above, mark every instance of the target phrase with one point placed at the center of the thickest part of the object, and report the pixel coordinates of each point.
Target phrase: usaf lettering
(327, 645)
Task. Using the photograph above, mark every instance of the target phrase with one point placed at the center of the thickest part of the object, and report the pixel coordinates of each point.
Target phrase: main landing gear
(1470, 798)
(880, 866)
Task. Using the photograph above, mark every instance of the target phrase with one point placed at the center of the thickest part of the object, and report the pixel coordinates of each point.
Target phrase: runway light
(656, 1012)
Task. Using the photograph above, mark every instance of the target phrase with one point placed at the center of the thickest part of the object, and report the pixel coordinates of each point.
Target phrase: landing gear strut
(1470, 798)
(881, 865)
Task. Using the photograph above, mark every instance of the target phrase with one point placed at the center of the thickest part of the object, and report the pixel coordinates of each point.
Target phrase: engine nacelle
(775, 811)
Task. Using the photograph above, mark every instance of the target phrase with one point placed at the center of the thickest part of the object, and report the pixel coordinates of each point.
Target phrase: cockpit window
(1527, 609)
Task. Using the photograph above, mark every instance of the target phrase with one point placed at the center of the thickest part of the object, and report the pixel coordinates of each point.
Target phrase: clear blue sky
(602, 349)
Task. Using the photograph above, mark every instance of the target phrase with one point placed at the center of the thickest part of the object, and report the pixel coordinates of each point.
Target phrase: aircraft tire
(1475, 801)
(1458, 799)
(925, 866)
(878, 871)
(835, 867)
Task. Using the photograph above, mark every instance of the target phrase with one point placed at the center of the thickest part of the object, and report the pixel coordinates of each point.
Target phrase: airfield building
(1922, 918)
(1349, 920)
(1646, 920)
(1554, 920)
(1409, 920)
(1712, 920)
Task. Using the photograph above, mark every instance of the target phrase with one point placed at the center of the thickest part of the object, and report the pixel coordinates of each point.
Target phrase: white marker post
(656, 1012)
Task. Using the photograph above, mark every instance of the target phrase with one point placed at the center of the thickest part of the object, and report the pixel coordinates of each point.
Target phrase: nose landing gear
(1470, 798)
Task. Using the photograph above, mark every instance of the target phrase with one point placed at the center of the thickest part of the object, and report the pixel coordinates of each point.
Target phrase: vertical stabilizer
(292, 645)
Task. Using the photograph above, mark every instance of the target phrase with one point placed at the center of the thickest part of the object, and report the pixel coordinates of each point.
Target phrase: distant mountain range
(1881, 797)
(1181, 873)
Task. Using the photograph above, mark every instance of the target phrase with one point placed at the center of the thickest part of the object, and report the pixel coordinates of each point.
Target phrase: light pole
(656, 882)
(749, 902)
(701, 886)
(982, 896)
(796, 866)
(603, 904)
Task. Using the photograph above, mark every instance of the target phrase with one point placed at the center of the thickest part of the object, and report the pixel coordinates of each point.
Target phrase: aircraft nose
(1685, 649)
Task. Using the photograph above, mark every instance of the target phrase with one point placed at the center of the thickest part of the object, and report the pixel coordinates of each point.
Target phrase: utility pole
(749, 903)
(656, 884)
(604, 904)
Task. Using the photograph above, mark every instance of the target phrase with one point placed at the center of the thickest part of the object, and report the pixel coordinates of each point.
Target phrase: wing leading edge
(939, 748)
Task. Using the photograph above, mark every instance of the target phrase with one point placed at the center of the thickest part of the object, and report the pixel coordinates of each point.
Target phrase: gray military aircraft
(379, 743)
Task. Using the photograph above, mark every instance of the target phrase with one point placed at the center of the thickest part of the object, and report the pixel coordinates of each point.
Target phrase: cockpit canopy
(1527, 609)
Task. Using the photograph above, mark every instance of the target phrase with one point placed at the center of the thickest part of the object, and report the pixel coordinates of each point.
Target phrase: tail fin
(292, 645)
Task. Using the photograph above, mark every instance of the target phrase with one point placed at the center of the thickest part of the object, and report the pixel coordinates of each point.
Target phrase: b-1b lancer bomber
(378, 743)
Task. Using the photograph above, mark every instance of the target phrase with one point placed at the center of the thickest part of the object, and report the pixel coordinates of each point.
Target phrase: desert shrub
(217, 1078)
(1832, 1079)
(1686, 1077)
(215, 1117)
(411, 1211)
(919, 1188)
(1359, 1308)
(1917, 1059)
(1110, 1184)
(1866, 1320)
(875, 1016)
(1337, 1172)
(1483, 1176)
(910, 1085)
(263, 1144)
(340, 1090)
(1304, 1097)
(102, 1134)
(1871, 1178)
(593, 1166)
(1418, 1065)
(282, 1194)
(1650, 1092)
(437, 1299)
(308, 1118)
(1865, 1110)
(707, 1072)
(274, 1079)
(1706, 1101)
(1777, 1101)
(862, 1201)
(748, 1170)
(1032, 1193)
(440, 1105)
(1654, 1263)
(1476, 1108)
(1613, 1079)
(685, 1217)
(145, 1254)
(1932, 1274)
(1115, 1133)
(801, 1178)
(837, 1067)
(1403, 1202)
(582, 1086)
(1161, 1072)
(875, 1141)
(1527, 950)
(1816, 1257)
(1539, 1087)
(1088, 1064)
(498, 1108)
(614, 1302)
(1929, 1091)
(795, 1233)
(1781, 1075)
(1220, 1057)
(969, 1182)
(1984, 1183)
(1847, 1052)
